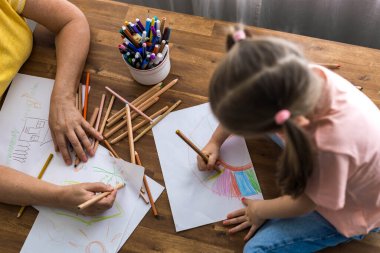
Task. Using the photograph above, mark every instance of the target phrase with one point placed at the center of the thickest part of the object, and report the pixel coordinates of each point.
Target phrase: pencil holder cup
(153, 75)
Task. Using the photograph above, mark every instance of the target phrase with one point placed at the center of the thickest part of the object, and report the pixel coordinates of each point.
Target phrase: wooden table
(197, 45)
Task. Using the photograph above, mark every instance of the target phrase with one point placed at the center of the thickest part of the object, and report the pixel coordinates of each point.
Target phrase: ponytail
(237, 34)
(296, 164)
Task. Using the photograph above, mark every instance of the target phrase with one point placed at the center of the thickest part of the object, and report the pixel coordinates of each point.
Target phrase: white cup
(153, 75)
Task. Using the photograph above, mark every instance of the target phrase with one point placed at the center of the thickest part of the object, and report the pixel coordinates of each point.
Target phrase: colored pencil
(154, 209)
(99, 197)
(130, 135)
(100, 112)
(164, 88)
(330, 65)
(109, 147)
(86, 96)
(40, 175)
(139, 125)
(136, 101)
(126, 102)
(156, 121)
(103, 125)
(194, 147)
(142, 107)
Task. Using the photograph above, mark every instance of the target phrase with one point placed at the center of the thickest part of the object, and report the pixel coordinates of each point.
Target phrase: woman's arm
(72, 45)
(21, 189)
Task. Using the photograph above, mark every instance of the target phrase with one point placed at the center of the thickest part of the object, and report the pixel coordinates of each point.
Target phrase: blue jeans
(308, 233)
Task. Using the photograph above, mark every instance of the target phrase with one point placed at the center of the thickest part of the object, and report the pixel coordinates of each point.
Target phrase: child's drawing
(34, 131)
(198, 198)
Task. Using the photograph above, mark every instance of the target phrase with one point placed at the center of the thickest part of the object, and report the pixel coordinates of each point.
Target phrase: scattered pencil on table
(126, 102)
(40, 175)
(359, 87)
(85, 106)
(154, 209)
(145, 47)
(99, 197)
(330, 65)
(194, 147)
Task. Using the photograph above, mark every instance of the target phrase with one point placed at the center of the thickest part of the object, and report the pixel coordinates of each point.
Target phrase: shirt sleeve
(17, 5)
(328, 182)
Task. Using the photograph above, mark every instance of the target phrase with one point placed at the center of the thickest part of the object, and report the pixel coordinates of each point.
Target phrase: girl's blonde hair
(258, 78)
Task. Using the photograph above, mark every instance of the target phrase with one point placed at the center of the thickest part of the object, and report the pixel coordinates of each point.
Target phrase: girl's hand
(212, 151)
(69, 127)
(76, 194)
(245, 218)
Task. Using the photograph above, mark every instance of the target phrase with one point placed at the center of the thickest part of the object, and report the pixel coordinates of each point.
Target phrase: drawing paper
(198, 198)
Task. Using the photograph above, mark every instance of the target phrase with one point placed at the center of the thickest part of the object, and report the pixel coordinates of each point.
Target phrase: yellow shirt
(16, 40)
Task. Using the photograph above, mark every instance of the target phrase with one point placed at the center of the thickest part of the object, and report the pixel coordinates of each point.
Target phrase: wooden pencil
(144, 106)
(194, 147)
(138, 125)
(156, 121)
(137, 101)
(162, 26)
(99, 197)
(86, 95)
(40, 175)
(130, 134)
(110, 148)
(330, 65)
(154, 209)
(126, 102)
(147, 94)
(103, 125)
(164, 88)
(97, 124)
(133, 116)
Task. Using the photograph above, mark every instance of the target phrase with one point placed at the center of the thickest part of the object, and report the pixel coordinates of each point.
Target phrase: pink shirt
(345, 184)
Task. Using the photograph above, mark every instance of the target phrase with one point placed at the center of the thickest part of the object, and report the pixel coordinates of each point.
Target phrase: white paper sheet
(141, 209)
(25, 143)
(64, 231)
(198, 198)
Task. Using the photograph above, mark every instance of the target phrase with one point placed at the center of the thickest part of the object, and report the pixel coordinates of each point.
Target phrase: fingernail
(224, 222)
(243, 199)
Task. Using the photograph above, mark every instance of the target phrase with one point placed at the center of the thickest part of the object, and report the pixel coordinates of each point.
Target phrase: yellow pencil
(38, 177)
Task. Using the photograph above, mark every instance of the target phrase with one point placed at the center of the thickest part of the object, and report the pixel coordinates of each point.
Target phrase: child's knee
(255, 245)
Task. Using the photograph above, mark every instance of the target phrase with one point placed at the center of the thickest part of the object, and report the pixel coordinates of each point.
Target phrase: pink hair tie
(282, 116)
(239, 35)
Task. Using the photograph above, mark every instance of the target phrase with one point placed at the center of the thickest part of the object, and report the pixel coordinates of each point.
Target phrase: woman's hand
(76, 194)
(245, 218)
(212, 151)
(69, 127)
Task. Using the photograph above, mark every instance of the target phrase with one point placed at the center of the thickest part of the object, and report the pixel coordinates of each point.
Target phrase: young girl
(329, 175)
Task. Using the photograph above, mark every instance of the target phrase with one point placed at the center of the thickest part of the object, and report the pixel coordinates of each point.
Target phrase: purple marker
(153, 31)
(139, 24)
(151, 60)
